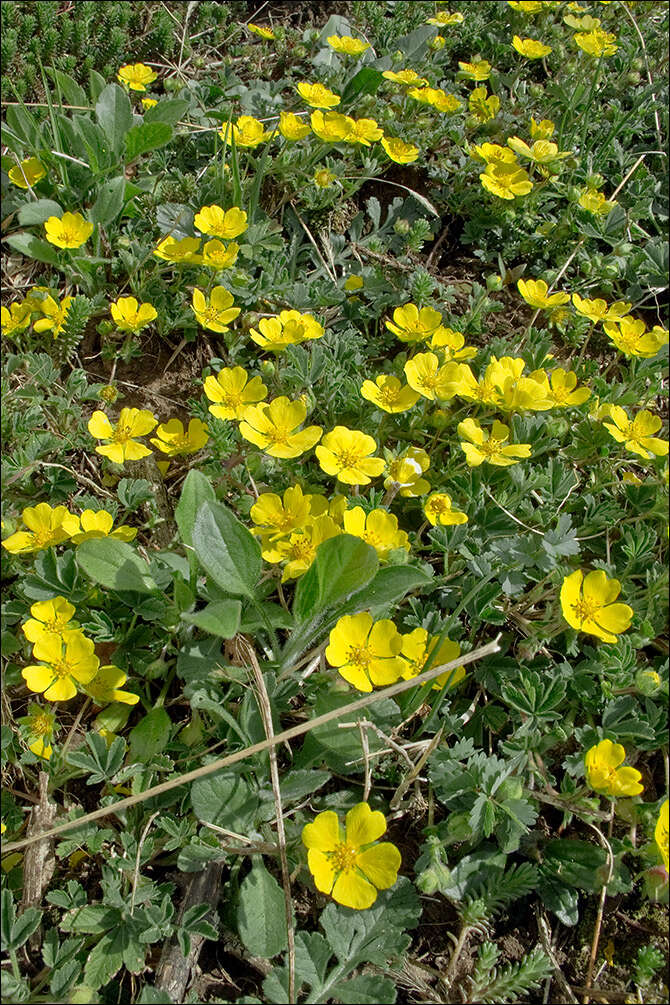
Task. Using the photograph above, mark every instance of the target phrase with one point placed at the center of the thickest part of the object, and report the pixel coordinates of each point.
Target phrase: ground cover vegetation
(334, 522)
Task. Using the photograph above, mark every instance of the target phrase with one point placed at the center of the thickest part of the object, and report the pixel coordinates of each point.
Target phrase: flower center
(41, 725)
(232, 400)
(585, 609)
(122, 434)
(359, 656)
(487, 392)
(490, 448)
(429, 381)
(343, 857)
(61, 668)
(302, 550)
(347, 458)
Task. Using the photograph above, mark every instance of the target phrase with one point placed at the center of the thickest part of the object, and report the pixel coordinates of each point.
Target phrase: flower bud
(402, 226)
(648, 682)
(494, 282)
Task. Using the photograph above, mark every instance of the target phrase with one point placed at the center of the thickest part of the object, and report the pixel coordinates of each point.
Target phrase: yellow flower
(183, 251)
(536, 294)
(378, 528)
(289, 328)
(595, 202)
(173, 440)
(366, 653)
(588, 605)
(506, 181)
(55, 315)
(217, 222)
(529, 6)
(418, 646)
(389, 394)
(438, 511)
(351, 868)
(597, 310)
(408, 78)
(331, 127)
(493, 153)
(604, 775)
(542, 130)
(299, 550)
(662, 835)
(586, 23)
(483, 106)
(136, 76)
(491, 447)
(347, 45)
(104, 688)
(317, 95)
(16, 319)
(277, 517)
(233, 392)
(66, 662)
(149, 102)
(631, 337)
(413, 325)
(324, 178)
(46, 528)
(129, 316)
(38, 730)
(258, 29)
(479, 71)
(437, 43)
(123, 447)
(630, 478)
(99, 523)
(291, 127)
(354, 283)
(215, 255)
(247, 132)
(451, 344)
(541, 152)
(597, 42)
(638, 434)
(529, 48)
(562, 388)
(436, 97)
(425, 375)
(516, 392)
(404, 473)
(69, 231)
(274, 428)
(364, 131)
(49, 617)
(28, 173)
(215, 313)
(444, 18)
(345, 453)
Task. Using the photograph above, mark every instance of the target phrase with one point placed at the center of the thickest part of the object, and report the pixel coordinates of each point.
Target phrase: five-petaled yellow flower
(662, 834)
(223, 223)
(595, 202)
(16, 319)
(597, 42)
(136, 76)
(292, 127)
(275, 428)
(491, 447)
(46, 528)
(70, 230)
(105, 687)
(246, 132)
(55, 314)
(67, 662)
(529, 48)
(347, 45)
(331, 127)
(288, 328)
(426, 376)
(588, 605)
(541, 152)
(232, 392)
(261, 31)
(28, 173)
(99, 523)
(597, 310)
(416, 649)
(129, 316)
(389, 394)
(398, 150)
(317, 95)
(183, 251)
(215, 313)
(408, 78)
(378, 528)
(49, 617)
(39, 726)
(443, 18)
(483, 106)
(413, 325)
(366, 652)
(215, 254)
(561, 388)
(435, 97)
(604, 774)
(438, 511)
(536, 294)
(345, 453)
(276, 516)
(506, 181)
(172, 439)
(638, 434)
(132, 422)
(631, 337)
(475, 71)
(404, 473)
(351, 867)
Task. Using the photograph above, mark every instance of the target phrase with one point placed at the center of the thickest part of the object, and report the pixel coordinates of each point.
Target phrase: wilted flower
(588, 605)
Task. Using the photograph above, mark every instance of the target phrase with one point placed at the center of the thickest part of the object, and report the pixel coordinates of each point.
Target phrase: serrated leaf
(261, 917)
(91, 919)
(226, 549)
(105, 959)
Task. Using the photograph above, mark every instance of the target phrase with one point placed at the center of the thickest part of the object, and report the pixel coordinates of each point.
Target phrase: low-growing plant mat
(334, 523)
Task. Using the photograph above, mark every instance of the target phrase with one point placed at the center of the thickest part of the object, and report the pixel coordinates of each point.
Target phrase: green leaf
(115, 565)
(222, 619)
(109, 203)
(92, 919)
(389, 586)
(149, 136)
(227, 800)
(343, 565)
(367, 989)
(24, 926)
(168, 110)
(72, 93)
(226, 549)
(33, 247)
(150, 735)
(366, 81)
(576, 862)
(561, 899)
(105, 959)
(96, 84)
(7, 919)
(261, 918)
(33, 213)
(114, 114)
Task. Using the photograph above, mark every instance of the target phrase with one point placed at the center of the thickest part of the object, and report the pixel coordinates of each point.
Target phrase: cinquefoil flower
(275, 428)
(70, 230)
(418, 646)
(366, 652)
(637, 435)
(98, 523)
(49, 617)
(426, 376)
(215, 254)
(217, 222)
(604, 775)
(46, 528)
(247, 132)
(215, 313)
(345, 453)
(30, 172)
(331, 127)
(175, 441)
(233, 392)
(536, 294)
(55, 314)
(439, 512)
(404, 473)
(399, 151)
(598, 310)
(491, 447)
(276, 516)
(129, 316)
(288, 328)
(132, 422)
(347, 45)
(413, 325)
(67, 662)
(37, 728)
(506, 181)
(530, 48)
(136, 76)
(317, 95)
(350, 866)
(181, 251)
(389, 394)
(588, 605)
(475, 71)
(597, 42)
(105, 687)
(16, 319)
(662, 834)
(631, 337)
(292, 128)
(378, 528)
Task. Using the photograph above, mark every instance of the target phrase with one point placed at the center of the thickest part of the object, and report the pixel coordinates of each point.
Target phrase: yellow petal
(364, 825)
